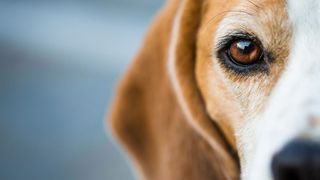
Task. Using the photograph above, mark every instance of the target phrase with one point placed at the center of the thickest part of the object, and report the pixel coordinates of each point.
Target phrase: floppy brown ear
(182, 60)
(159, 118)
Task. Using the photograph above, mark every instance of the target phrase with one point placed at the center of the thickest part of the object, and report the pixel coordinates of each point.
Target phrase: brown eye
(244, 52)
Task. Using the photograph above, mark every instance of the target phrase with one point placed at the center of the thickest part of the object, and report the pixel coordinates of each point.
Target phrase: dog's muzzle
(298, 160)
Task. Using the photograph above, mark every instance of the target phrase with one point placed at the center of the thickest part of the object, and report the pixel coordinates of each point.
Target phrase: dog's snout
(299, 160)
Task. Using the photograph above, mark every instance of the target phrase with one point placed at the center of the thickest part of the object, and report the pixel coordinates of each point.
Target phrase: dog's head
(252, 67)
(257, 67)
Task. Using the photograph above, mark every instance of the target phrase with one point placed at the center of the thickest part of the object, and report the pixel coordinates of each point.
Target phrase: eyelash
(262, 65)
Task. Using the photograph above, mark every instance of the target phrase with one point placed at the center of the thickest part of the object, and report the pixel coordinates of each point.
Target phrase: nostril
(299, 160)
(286, 166)
(291, 173)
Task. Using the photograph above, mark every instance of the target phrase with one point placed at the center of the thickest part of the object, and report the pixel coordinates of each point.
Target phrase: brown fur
(232, 99)
(148, 120)
(182, 124)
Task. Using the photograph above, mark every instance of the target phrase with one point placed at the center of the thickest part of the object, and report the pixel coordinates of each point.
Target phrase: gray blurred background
(60, 61)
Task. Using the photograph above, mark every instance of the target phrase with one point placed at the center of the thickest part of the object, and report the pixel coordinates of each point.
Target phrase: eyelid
(224, 41)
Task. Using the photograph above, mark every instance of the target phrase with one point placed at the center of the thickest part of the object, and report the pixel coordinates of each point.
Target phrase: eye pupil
(244, 52)
(245, 47)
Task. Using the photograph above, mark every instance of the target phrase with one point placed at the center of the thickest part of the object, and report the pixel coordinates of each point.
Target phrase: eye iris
(244, 52)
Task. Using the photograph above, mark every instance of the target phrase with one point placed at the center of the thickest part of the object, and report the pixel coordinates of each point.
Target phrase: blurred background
(59, 63)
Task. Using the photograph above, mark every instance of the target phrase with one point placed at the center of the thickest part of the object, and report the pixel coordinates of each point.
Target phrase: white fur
(294, 101)
(249, 95)
(296, 98)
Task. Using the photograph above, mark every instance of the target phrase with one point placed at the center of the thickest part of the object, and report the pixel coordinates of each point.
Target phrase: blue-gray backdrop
(59, 63)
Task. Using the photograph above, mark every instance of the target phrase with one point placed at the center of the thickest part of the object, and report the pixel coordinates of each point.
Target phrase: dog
(224, 90)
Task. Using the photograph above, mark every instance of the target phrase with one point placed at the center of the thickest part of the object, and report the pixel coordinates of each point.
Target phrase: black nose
(299, 160)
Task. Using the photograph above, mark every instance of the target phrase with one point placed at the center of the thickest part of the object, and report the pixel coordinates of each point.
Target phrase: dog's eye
(244, 52)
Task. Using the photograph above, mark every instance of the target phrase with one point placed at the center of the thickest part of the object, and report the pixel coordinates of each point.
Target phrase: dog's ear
(161, 119)
(181, 64)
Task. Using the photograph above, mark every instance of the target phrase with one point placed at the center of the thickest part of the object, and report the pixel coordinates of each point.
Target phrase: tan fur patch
(234, 99)
(186, 122)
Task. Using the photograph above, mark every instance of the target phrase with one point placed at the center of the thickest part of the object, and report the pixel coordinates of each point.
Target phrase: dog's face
(243, 76)
(258, 70)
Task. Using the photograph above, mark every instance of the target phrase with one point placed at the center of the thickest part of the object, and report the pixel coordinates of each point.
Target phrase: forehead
(245, 7)
(265, 19)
